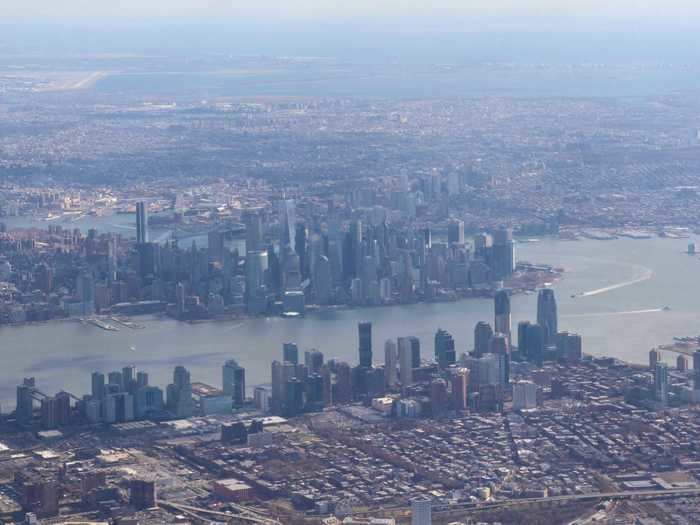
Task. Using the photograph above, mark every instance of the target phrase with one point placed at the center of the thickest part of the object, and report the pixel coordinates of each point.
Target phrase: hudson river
(625, 285)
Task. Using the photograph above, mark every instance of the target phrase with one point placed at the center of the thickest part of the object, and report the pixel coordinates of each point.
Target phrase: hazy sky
(336, 9)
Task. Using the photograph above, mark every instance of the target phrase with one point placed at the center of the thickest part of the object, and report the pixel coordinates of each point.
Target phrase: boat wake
(644, 277)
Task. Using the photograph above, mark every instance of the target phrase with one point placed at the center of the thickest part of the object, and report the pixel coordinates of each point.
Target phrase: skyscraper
(313, 359)
(460, 389)
(655, 357)
(290, 353)
(482, 336)
(444, 349)
(547, 315)
(98, 385)
(253, 231)
(415, 350)
(405, 361)
(661, 383)
(179, 393)
(500, 347)
(455, 232)
(390, 363)
(502, 313)
(141, 222)
(364, 330)
(696, 370)
(287, 220)
(502, 254)
(233, 381)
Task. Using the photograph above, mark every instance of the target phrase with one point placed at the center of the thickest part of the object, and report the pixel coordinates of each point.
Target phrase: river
(625, 285)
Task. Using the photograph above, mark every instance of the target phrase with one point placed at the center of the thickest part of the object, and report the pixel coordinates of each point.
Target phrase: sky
(678, 10)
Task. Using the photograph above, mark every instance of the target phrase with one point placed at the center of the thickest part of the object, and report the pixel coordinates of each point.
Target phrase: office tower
(696, 370)
(322, 280)
(569, 348)
(342, 391)
(415, 350)
(118, 408)
(141, 222)
(290, 353)
(142, 494)
(455, 232)
(287, 220)
(502, 313)
(179, 393)
(233, 381)
(524, 395)
(482, 336)
(63, 409)
(364, 331)
(253, 231)
(500, 347)
(661, 383)
(421, 511)
(98, 385)
(25, 402)
(682, 363)
(313, 359)
(655, 357)
(502, 259)
(460, 389)
(256, 263)
(547, 315)
(438, 397)
(43, 276)
(48, 413)
(85, 293)
(531, 342)
(390, 363)
(49, 498)
(141, 379)
(483, 243)
(300, 247)
(129, 378)
(405, 361)
(444, 349)
(148, 400)
(215, 246)
(115, 378)
(293, 403)
(281, 373)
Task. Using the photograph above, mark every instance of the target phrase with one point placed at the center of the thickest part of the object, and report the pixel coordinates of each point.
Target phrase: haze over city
(358, 263)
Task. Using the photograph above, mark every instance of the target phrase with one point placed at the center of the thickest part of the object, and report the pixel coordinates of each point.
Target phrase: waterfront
(626, 285)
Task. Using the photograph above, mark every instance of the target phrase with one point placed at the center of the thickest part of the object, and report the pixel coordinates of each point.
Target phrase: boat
(666, 308)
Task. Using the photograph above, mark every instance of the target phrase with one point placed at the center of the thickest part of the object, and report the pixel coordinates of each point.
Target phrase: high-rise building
(696, 370)
(661, 383)
(547, 315)
(654, 357)
(444, 349)
(390, 363)
(253, 231)
(438, 397)
(482, 336)
(502, 261)
(524, 395)
(455, 232)
(405, 361)
(287, 220)
(364, 330)
(179, 393)
(682, 363)
(98, 385)
(531, 342)
(322, 280)
(290, 353)
(415, 351)
(233, 381)
(25, 402)
(148, 400)
(500, 347)
(141, 222)
(313, 359)
(460, 389)
(569, 347)
(421, 511)
(502, 313)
